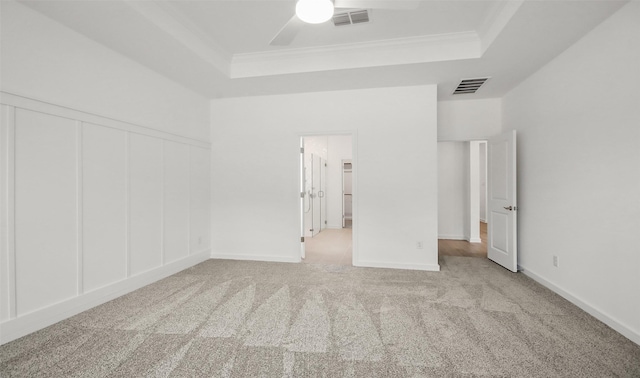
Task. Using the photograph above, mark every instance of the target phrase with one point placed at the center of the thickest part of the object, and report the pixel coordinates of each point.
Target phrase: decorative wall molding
(31, 322)
(95, 138)
(23, 102)
(7, 211)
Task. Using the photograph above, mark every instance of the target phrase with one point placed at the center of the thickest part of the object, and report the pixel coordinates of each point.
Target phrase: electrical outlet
(556, 263)
(419, 245)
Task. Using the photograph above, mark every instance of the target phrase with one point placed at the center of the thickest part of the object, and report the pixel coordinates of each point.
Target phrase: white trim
(378, 264)
(249, 257)
(7, 210)
(23, 102)
(79, 209)
(474, 240)
(127, 180)
(189, 200)
(497, 20)
(11, 211)
(452, 237)
(420, 49)
(44, 317)
(163, 204)
(619, 327)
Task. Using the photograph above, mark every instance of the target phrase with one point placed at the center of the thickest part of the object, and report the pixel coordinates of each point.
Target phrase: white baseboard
(452, 237)
(459, 237)
(378, 264)
(25, 324)
(603, 317)
(247, 257)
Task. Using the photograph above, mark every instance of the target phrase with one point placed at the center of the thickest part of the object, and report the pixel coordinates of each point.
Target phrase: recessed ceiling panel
(248, 26)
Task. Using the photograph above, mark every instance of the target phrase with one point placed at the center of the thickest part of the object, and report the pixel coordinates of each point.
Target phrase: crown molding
(421, 49)
(496, 21)
(390, 52)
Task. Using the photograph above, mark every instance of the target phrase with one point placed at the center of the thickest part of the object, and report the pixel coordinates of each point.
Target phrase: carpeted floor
(254, 319)
(330, 247)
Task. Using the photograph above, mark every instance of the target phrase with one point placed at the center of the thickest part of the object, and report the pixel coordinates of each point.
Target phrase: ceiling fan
(319, 11)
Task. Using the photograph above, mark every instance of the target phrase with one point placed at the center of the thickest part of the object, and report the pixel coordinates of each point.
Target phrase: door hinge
(302, 239)
(325, 222)
(302, 150)
(301, 194)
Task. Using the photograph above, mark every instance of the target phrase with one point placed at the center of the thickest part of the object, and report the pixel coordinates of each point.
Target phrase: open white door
(502, 226)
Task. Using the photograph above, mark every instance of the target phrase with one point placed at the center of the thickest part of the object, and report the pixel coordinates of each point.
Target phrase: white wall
(339, 147)
(579, 171)
(44, 60)
(255, 167)
(483, 181)
(464, 120)
(452, 183)
(92, 206)
(473, 192)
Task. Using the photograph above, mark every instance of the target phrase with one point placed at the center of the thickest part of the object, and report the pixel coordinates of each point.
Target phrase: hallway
(464, 248)
(331, 246)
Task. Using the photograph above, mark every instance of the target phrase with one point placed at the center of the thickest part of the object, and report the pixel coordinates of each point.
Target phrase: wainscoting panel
(104, 215)
(145, 203)
(7, 273)
(91, 208)
(46, 211)
(176, 201)
(200, 204)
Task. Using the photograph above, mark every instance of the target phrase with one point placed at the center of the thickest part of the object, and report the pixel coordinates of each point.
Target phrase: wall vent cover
(470, 85)
(350, 18)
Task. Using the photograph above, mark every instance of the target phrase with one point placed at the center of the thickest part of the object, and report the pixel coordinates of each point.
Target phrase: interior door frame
(469, 189)
(354, 189)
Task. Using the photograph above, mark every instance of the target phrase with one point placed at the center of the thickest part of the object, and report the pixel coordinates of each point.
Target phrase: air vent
(350, 18)
(470, 85)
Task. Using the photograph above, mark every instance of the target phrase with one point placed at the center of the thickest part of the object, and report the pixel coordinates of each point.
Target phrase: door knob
(508, 208)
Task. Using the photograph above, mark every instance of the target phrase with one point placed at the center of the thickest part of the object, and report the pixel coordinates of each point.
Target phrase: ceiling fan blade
(288, 32)
(378, 4)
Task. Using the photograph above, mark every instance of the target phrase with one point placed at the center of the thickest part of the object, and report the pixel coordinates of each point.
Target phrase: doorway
(326, 199)
(462, 198)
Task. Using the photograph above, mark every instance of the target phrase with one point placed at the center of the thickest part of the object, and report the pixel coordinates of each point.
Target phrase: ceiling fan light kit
(314, 11)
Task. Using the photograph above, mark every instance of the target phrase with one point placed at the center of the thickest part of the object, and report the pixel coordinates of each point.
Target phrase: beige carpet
(251, 319)
(331, 247)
